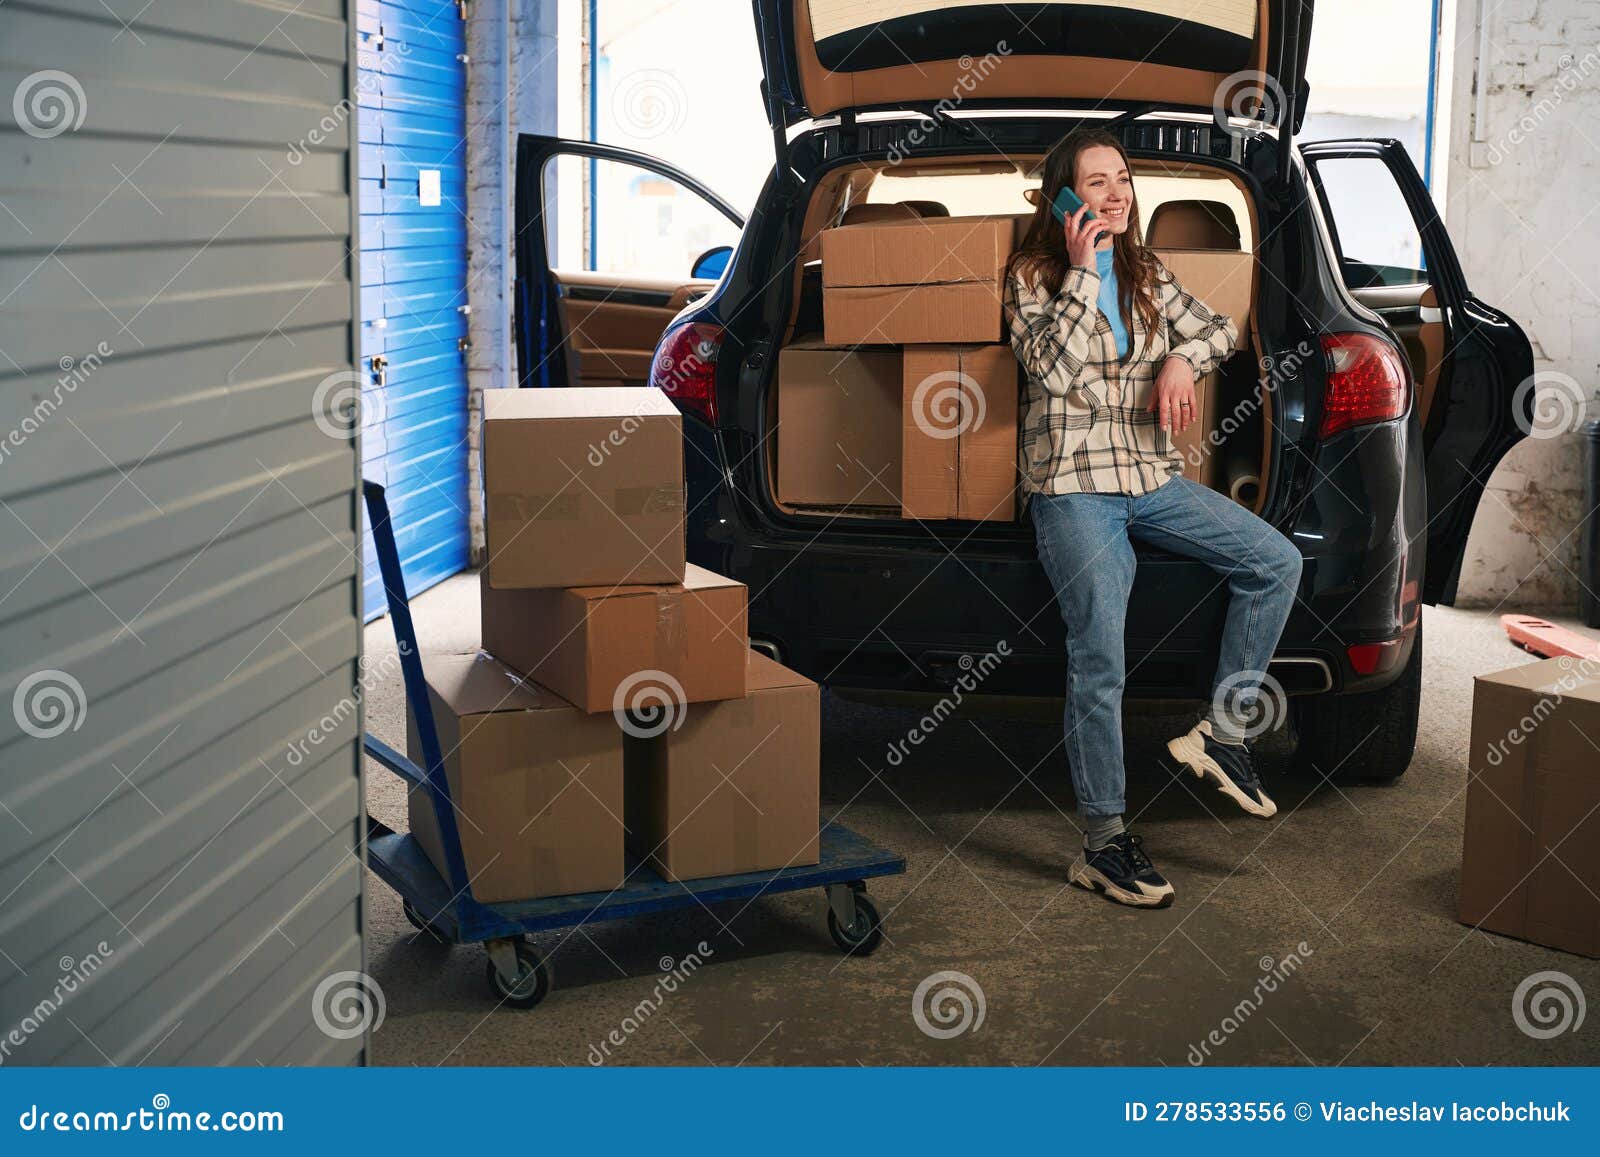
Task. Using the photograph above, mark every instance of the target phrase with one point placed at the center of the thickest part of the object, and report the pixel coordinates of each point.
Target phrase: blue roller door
(412, 123)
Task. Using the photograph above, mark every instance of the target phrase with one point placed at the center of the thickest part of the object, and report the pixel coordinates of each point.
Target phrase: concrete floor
(1365, 877)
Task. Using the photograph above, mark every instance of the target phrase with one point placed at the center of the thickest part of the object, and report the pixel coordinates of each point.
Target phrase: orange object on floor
(1543, 637)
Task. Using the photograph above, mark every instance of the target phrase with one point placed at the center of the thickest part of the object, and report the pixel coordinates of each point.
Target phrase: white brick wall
(1523, 210)
(511, 88)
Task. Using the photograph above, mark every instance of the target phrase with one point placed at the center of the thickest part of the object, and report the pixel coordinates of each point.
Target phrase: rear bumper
(857, 611)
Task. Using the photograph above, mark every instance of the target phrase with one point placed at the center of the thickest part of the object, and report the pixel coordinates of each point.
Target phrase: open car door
(611, 244)
(1468, 359)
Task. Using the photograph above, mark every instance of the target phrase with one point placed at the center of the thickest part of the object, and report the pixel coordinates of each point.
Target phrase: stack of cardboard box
(929, 428)
(911, 400)
(574, 737)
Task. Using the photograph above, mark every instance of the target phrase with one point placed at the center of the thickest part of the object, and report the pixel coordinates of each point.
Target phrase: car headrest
(928, 208)
(864, 212)
(1193, 225)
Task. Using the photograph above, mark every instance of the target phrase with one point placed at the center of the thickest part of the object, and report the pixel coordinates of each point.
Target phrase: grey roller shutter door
(179, 537)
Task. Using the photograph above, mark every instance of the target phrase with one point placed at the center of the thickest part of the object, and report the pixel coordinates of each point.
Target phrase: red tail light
(685, 367)
(1368, 658)
(1367, 382)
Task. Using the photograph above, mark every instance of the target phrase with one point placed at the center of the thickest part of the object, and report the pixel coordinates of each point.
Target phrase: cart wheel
(865, 932)
(414, 918)
(532, 983)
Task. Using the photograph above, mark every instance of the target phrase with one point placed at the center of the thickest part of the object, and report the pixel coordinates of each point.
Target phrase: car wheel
(1367, 738)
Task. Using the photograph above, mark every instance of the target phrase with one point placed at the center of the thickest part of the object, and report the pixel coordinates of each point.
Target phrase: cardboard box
(933, 279)
(968, 311)
(537, 785)
(592, 644)
(921, 251)
(735, 787)
(582, 486)
(959, 432)
(1200, 453)
(1530, 861)
(838, 426)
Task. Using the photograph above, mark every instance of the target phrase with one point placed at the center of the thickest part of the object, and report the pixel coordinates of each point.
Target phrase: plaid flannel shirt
(1085, 426)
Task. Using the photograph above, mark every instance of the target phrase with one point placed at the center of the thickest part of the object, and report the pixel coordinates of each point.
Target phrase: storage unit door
(412, 125)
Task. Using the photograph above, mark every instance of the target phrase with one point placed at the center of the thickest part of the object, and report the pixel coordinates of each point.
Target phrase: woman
(1111, 347)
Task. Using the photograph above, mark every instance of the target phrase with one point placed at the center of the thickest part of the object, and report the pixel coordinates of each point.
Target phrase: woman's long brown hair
(1042, 258)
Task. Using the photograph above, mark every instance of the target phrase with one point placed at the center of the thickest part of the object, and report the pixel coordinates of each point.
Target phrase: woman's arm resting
(1203, 339)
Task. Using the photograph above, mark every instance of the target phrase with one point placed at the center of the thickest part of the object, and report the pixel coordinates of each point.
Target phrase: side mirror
(710, 264)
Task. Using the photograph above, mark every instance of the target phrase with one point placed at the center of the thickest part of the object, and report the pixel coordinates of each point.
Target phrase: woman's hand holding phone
(1082, 232)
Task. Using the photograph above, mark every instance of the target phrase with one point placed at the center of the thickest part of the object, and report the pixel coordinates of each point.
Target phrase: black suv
(1385, 392)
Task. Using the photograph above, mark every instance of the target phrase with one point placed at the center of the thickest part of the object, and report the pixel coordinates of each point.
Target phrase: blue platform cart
(444, 909)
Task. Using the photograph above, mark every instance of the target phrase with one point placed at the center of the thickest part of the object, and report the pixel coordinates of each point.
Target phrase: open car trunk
(870, 434)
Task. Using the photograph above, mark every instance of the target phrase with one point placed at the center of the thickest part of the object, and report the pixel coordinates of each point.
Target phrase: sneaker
(1226, 766)
(1123, 872)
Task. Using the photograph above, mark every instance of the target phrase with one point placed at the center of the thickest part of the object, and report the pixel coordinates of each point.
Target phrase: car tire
(1365, 738)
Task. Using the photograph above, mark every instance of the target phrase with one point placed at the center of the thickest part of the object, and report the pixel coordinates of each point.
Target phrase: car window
(1376, 235)
(967, 193)
(974, 192)
(608, 216)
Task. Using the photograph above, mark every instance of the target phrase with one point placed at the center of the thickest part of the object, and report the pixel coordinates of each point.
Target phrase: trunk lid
(1239, 57)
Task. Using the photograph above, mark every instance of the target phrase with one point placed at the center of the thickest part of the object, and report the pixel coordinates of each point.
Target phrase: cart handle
(405, 633)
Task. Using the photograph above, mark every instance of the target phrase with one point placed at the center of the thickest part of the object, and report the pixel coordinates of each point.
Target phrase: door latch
(380, 370)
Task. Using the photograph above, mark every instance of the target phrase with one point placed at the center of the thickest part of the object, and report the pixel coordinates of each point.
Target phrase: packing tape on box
(632, 500)
(558, 506)
(672, 632)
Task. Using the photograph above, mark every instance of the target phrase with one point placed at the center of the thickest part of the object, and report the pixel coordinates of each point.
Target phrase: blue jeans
(1086, 546)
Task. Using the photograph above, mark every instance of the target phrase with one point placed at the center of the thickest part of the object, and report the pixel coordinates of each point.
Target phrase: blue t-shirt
(1107, 300)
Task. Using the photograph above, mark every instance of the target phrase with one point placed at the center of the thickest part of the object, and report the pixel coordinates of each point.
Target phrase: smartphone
(1067, 203)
